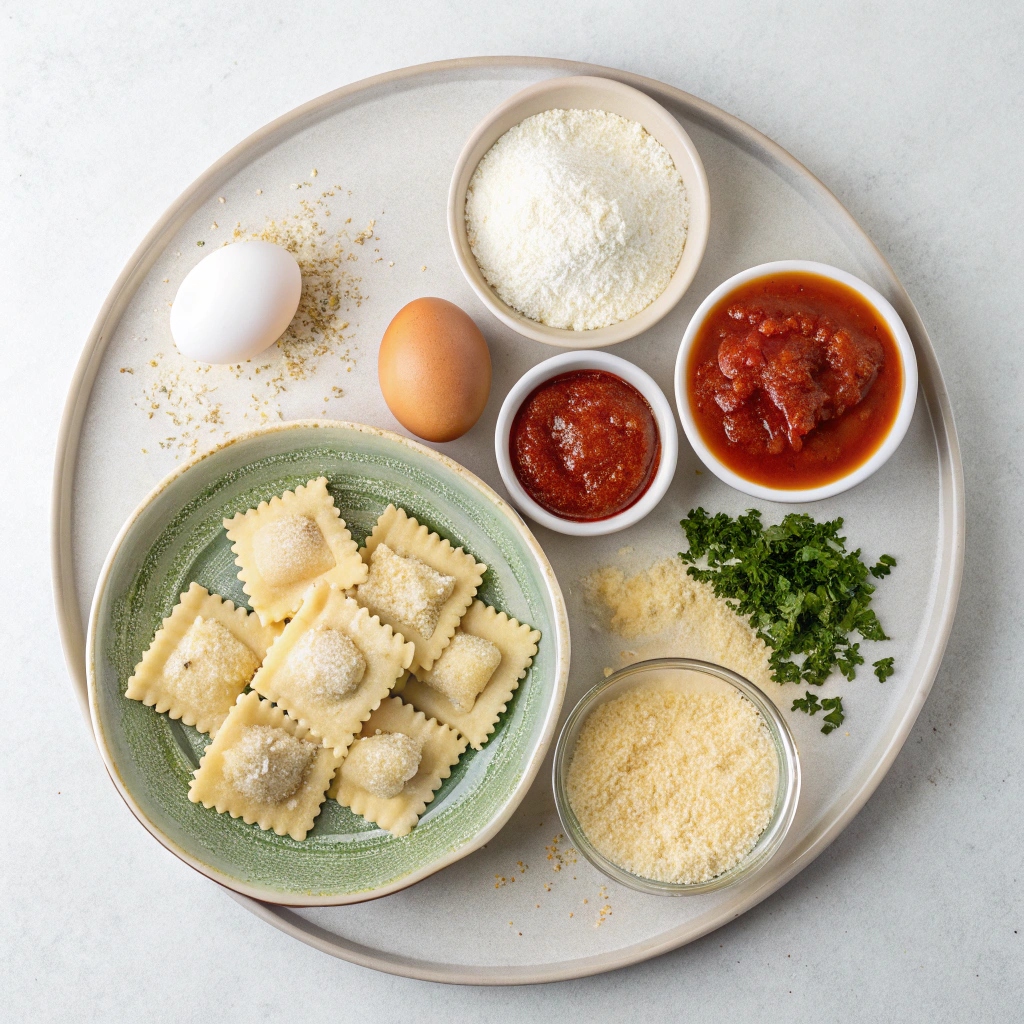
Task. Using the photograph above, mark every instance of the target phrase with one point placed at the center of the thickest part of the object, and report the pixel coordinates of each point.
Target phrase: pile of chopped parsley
(799, 588)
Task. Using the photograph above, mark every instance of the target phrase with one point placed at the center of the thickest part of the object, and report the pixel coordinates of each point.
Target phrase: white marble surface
(910, 113)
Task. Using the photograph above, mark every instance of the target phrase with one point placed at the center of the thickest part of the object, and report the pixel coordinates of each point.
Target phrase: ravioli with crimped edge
(284, 546)
(333, 664)
(472, 682)
(391, 781)
(263, 769)
(201, 659)
(417, 583)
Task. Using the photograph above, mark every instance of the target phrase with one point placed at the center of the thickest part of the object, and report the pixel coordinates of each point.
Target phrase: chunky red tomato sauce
(585, 445)
(794, 380)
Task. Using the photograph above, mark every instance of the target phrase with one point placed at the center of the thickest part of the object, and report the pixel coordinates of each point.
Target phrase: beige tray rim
(933, 391)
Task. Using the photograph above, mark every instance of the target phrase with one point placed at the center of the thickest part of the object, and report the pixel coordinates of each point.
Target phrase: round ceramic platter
(177, 537)
(383, 151)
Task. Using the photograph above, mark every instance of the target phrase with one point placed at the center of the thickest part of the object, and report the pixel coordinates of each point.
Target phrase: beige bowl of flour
(584, 93)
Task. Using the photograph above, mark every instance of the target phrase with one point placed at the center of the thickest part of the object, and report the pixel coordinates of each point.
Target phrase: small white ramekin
(584, 93)
(632, 374)
(908, 401)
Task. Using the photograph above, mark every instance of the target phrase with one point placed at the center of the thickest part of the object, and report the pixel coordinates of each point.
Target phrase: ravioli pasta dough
(412, 594)
(440, 748)
(383, 763)
(262, 768)
(464, 669)
(285, 545)
(516, 643)
(335, 631)
(201, 659)
(333, 664)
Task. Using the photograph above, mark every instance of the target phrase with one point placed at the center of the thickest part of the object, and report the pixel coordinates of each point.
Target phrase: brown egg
(434, 369)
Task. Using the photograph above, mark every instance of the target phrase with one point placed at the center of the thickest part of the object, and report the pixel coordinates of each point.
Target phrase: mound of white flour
(577, 218)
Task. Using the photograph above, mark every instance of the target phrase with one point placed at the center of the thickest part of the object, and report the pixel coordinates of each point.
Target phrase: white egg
(236, 302)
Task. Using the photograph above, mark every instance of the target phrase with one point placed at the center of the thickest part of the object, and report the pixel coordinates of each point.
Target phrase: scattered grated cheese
(663, 602)
(674, 785)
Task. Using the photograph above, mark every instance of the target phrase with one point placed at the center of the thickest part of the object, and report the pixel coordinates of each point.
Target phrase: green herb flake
(799, 588)
(884, 566)
(808, 704)
(883, 669)
(833, 705)
(834, 719)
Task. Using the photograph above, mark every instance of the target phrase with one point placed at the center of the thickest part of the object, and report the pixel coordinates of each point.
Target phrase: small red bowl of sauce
(586, 443)
(795, 381)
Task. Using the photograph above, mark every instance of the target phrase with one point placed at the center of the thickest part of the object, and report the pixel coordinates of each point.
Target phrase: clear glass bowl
(683, 673)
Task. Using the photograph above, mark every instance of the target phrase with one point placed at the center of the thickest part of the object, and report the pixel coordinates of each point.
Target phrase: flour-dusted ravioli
(461, 666)
(379, 767)
(464, 669)
(201, 659)
(406, 589)
(285, 545)
(383, 763)
(333, 664)
(418, 583)
(262, 768)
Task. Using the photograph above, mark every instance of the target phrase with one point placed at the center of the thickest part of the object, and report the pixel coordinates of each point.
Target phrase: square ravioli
(285, 545)
(333, 664)
(418, 583)
(262, 768)
(417, 767)
(464, 669)
(445, 690)
(201, 659)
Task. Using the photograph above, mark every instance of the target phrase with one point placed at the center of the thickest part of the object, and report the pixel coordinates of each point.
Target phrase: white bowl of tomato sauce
(586, 443)
(795, 381)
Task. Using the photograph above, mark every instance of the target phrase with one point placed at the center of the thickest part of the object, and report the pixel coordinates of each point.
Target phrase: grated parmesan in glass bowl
(676, 777)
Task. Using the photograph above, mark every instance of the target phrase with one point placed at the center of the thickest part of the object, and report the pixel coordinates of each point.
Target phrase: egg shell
(434, 369)
(236, 302)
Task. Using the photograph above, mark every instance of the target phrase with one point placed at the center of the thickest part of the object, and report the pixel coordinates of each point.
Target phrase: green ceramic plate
(176, 537)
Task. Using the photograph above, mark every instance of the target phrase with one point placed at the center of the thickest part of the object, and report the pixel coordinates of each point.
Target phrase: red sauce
(585, 445)
(794, 380)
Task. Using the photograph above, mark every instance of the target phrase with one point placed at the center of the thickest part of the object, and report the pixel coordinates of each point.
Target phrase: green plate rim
(562, 657)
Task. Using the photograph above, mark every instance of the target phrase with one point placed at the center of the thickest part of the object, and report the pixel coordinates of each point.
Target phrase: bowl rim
(900, 425)
(661, 124)
(586, 359)
(768, 842)
(560, 639)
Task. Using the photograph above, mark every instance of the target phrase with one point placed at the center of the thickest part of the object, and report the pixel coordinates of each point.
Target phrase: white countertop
(909, 113)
